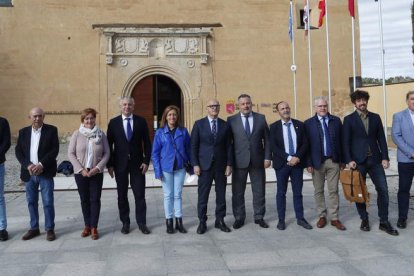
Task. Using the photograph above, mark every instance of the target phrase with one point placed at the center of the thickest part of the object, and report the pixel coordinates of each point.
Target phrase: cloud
(397, 33)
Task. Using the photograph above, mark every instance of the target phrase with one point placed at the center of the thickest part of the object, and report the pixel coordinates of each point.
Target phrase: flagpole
(353, 53)
(384, 89)
(328, 57)
(310, 58)
(293, 67)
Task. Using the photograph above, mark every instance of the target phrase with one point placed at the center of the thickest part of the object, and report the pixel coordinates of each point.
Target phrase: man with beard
(365, 148)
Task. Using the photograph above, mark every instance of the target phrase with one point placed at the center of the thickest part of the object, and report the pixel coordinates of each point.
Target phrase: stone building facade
(67, 55)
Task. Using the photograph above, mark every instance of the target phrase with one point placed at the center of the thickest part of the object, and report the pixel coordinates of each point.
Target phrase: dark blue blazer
(356, 141)
(4, 139)
(314, 133)
(204, 148)
(277, 145)
(136, 151)
(47, 152)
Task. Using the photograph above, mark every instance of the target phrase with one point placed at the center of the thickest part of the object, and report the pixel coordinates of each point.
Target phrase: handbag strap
(352, 183)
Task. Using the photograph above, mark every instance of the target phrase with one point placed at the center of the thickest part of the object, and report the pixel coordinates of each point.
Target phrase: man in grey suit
(402, 135)
(251, 156)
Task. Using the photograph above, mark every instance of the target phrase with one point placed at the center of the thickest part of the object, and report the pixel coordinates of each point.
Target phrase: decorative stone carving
(185, 42)
(190, 63)
(123, 62)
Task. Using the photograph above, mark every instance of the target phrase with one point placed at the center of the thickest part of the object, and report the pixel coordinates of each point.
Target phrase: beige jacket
(78, 148)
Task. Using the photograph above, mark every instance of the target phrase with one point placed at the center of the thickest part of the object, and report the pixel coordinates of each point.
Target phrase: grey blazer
(403, 135)
(77, 152)
(254, 150)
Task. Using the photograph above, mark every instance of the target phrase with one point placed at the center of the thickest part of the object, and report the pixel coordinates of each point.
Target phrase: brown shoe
(321, 222)
(86, 231)
(94, 234)
(31, 234)
(50, 235)
(338, 225)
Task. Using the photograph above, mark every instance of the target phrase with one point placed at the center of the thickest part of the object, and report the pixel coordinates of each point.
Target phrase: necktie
(290, 140)
(214, 129)
(327, 137)
(247, 126)
(129, 130)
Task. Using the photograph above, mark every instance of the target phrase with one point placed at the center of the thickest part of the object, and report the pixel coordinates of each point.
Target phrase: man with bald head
(212, 160)
(37, 148)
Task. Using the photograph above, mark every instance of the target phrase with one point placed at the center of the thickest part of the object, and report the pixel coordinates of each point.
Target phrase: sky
(397, 38)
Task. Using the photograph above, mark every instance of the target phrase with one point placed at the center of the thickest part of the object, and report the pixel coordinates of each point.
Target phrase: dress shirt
(89, 154)
(286, 139)
(412, 115)
(250, 118)
(211, 123)
(124, 122)
(34, 145)
(321, 120)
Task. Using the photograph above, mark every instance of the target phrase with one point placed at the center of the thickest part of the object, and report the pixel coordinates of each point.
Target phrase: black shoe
(238, 224)
(50, 235)
(144, 229)
(170, 225)
(221, 225)
(402, 223)
(31, 234)
(387, 227)
(202, 228)
(281, 225)
(304, 224)
(4, 236)
(125, 228)
(365, 225)
(179, 225)
(261, 223)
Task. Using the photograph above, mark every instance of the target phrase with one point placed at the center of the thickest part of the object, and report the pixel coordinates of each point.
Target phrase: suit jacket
(315, 136)
(253, 150)
(137, 151)
(77, 152)
(4, 139)
(204, 149)
(47, 152)
(403, 135)
(356, 141)
(277, 144)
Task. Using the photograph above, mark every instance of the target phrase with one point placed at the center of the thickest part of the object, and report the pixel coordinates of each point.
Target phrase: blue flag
(290, 24)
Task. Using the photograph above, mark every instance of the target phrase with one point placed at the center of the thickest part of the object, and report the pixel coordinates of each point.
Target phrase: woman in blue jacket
(170, 155)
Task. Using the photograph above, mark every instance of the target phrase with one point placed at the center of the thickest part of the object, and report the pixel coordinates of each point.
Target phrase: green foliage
(397, 79)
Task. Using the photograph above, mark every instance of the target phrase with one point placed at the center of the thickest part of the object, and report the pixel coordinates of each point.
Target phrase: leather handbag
(354, 186)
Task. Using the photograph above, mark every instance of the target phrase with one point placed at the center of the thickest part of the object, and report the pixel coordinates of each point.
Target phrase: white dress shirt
(131, 122)
(34, 145)
(286, 138)
(250, 118)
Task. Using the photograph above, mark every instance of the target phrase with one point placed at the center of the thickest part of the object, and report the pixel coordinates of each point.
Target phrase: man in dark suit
(324, 133)
(130, 148)
(37, 148)
(4, 147)
(250, 134)
(402, 135)
(211, 152)
(289, 147)
(365, 148)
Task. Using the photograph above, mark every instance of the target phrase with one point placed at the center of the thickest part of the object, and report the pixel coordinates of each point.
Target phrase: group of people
(242, 146)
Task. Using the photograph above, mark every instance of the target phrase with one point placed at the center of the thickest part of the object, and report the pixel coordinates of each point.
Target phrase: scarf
(93, 135)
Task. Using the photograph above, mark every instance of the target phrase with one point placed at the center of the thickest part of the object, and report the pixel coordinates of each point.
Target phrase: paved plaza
(250, 250)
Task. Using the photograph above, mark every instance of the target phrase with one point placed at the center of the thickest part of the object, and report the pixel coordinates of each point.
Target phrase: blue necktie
(214, 129)
(129, 130)
(290, 140)
(327, 137)
(247, 126)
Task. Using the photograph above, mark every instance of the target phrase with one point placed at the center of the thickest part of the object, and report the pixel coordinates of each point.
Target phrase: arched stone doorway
(152, 95)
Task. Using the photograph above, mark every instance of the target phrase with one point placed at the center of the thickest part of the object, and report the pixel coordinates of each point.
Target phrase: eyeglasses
(214, 106)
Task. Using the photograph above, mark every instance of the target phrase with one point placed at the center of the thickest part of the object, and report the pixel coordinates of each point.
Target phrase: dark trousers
(205, 180)
(406, 174)
(296, 177)
(137, 181)
(377, 174)
(90, 190)
(239, 179)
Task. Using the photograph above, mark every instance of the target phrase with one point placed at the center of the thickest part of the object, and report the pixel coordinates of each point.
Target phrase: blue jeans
(172, 185)
(3, 218)
(377, 174)
(32, 195)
